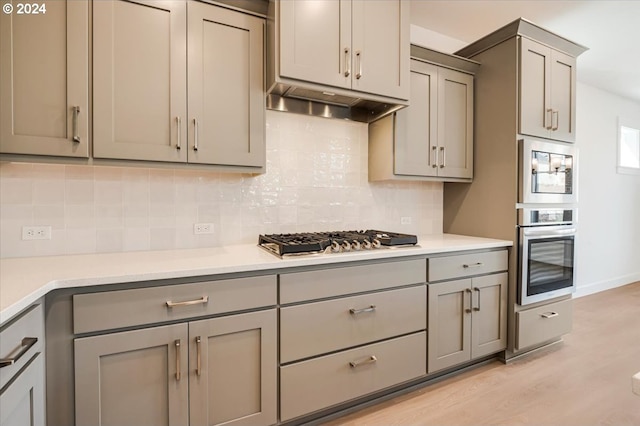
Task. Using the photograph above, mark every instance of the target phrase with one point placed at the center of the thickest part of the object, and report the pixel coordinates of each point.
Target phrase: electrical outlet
(406, 220)
(202, 228)
(36, 233)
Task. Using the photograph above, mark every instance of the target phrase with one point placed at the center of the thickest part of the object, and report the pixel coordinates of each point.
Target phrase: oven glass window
(551, 173)
(550, 264)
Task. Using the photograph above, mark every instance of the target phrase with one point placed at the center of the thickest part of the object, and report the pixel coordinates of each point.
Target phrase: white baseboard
(585, 290)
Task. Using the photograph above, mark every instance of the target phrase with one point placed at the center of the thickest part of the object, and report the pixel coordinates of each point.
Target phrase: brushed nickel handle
(26, 344)
(179, 125)
(478, 290)
(556, 115)
(548, 119)
(468, 310)
(371, 360)
(202, 300)
(472, 265)
(434, 155)
(347, 62)
(444, 158)
(76, 136)
(548, 315)
(177, 343)
(198, 355)
(359, 66)
(195, 134)
(354, 311)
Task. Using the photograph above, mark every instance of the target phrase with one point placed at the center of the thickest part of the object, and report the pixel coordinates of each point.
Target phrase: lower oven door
(547, 260)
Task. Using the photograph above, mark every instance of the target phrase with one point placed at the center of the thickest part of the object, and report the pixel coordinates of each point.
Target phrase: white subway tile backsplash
(317, 179)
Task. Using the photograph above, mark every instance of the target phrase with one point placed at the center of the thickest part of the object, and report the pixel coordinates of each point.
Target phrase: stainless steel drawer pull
(444, 158)
(548, 119)
(549, 314)
(359, 66)
(195, 134)
(434, 160)
(76, 112)
(202, 300)
(179, 126)
(354, 311)
(468, 310)
(177, 343)
(556, 115)
(26, 344)
(472, 265)
(478, 290)
(198, 355)
(371, 360)
(347, 62)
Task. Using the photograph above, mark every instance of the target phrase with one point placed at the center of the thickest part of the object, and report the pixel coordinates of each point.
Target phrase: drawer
(301, 286)
(20, 340)
(466, 265)
(321, 327)
(126, 308)
(538, 325)
(311, 385)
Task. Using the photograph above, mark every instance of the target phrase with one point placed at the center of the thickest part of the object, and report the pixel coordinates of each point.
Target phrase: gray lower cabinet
(213, 371)
(22, 402)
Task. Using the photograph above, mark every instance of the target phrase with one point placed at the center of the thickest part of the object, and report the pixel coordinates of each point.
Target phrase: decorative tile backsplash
(316, 180)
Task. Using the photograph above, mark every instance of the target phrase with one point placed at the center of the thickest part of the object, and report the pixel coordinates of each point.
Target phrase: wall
(316, 180)
(608, 253)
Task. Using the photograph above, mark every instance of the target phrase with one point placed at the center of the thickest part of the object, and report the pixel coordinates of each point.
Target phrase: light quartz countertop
(25, 280)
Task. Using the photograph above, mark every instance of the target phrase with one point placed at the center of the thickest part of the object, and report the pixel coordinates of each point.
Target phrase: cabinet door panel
(381, 47)
(139, 80)
(416, 125)
(226, 87)
(131, 377)
(563, 90)
(455, 124)
(535, 88)
(449, 324)
(43, 76)
(237, 381)
(489, 326)
(313, 37)
(22, 402)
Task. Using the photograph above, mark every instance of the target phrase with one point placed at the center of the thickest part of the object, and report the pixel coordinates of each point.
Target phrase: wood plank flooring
(584, 381)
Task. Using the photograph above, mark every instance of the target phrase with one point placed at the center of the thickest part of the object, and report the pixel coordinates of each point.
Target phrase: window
(628, 147)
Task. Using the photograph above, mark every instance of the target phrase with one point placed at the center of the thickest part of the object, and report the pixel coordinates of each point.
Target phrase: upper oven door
(547, 172)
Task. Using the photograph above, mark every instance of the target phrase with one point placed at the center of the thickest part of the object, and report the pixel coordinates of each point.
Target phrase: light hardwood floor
(584, 381)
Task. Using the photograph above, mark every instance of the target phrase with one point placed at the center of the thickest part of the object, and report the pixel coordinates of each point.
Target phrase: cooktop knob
(376, 243)
(345, 246)
(366, 244)
(355, 245)
(335, 247)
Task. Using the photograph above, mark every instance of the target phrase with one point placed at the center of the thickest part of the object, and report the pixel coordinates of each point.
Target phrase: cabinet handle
(371, 360)
(548, 315)
(198, 355)
(444, 158)
(468, 291)
(354, 311)
(478, 290)
(177, 343)
(76, 112)
(556, 115)
(434, 154)
(472, 265)
(347, 62)
(202, 300)
(359, 66)
(548, 119)
(26, 344)
(195, 134)
(179, 125)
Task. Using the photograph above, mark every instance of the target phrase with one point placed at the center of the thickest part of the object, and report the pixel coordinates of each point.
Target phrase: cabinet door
(139, 80)
(315, 41)
(455, 124)
(135, 377)
(22, 402)
(226, 87)
(381, 47)
(535, 88)
(563, 96)
(232, 376)
(449, 324)
(489, 321)
(43, 79)
(416, 126)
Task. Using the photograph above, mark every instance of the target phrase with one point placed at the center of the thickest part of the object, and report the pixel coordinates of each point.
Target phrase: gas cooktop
(333, 242)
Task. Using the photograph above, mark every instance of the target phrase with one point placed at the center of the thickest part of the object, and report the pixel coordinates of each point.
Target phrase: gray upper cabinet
(547, 92)
(44, 81)
(145, 110)
(350, 44)
(433, 137)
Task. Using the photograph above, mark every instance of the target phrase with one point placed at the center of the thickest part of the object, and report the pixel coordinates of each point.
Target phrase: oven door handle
(548, 231)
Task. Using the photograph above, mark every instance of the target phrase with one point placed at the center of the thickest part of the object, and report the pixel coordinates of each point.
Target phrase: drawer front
(126, 308)
(537, 325)
(466, 265)
(322, 382)
(20, 341)
(301, 286)
(321, 327)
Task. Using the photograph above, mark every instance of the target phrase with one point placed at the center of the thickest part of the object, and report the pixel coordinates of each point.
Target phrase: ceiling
(609, 28)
